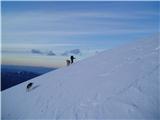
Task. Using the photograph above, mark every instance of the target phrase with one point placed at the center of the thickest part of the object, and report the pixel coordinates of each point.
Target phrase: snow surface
(120, 83)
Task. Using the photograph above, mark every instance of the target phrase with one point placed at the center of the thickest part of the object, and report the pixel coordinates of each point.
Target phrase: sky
(47, 33)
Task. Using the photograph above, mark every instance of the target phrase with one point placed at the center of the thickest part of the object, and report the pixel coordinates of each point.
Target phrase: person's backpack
(68, 62)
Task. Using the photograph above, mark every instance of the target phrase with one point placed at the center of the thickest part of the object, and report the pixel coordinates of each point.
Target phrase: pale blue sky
(65, 26)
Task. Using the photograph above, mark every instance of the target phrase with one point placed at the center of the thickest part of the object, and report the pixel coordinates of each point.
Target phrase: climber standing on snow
(72, 58)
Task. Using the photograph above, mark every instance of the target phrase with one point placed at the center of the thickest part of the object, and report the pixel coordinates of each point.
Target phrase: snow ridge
(120, 83)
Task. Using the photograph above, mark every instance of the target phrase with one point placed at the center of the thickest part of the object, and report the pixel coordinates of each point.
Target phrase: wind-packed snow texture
(121, 83)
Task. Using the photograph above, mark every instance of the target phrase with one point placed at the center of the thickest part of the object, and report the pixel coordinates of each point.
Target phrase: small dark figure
(29, 85)
(72, 58)
(68, 62)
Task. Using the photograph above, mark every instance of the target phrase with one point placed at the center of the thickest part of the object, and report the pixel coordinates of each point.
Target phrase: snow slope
(119, 83)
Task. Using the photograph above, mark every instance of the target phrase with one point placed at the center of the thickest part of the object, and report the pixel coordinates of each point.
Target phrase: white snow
(120, 83)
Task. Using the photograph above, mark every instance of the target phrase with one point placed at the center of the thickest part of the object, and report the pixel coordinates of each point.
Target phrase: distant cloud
(75, 51)
(50, 53)
(65, 53)
(34, 51)
(72, 52)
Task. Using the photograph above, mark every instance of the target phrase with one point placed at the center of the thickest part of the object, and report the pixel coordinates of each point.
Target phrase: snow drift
(120, 83)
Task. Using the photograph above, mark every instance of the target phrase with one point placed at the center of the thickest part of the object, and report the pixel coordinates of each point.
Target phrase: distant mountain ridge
(27, 68)
(12, 75)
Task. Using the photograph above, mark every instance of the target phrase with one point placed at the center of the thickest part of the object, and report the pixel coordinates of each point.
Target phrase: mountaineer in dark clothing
(68, 62)
(72, 58)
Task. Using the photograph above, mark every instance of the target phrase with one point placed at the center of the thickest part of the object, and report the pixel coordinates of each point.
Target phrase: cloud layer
(51, 53)
(39, 25)
(72, 52)
(34, 51)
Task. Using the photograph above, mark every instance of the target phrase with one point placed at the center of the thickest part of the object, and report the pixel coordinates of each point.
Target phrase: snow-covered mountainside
(120, 83)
